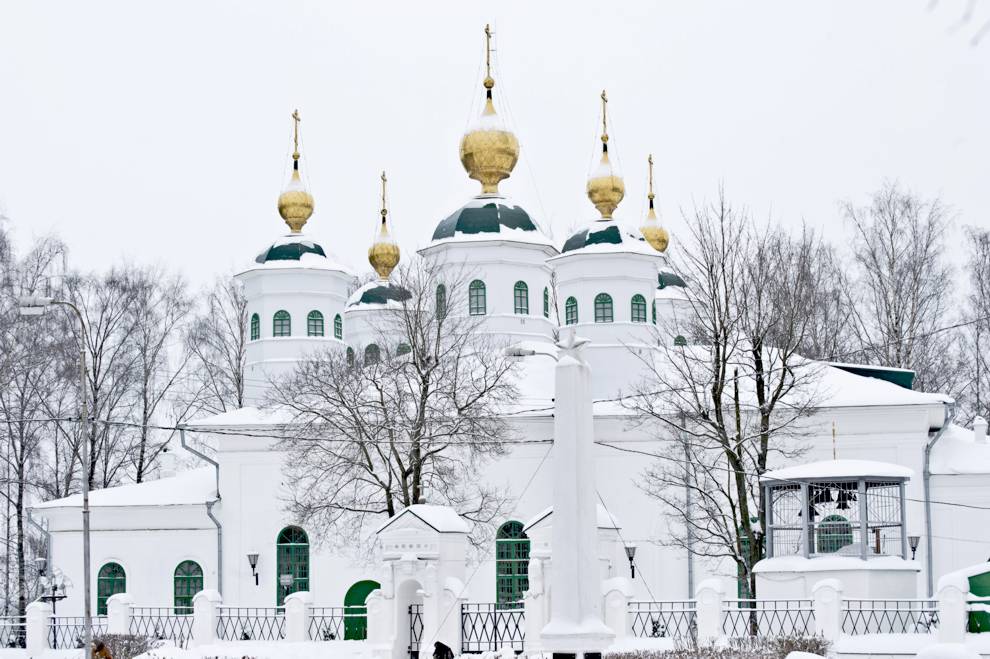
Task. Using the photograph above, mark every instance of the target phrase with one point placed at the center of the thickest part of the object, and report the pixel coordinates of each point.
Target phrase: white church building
(224, 525)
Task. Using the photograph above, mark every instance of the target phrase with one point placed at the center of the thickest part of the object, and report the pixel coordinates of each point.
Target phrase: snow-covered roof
(296, 250)
(378, 294)
(604, 519)
(957, 452)
(442, 519)
(839, 469)
(245, 417)
(607, 237)
(189, 487)
(832, 562)
(490, 217)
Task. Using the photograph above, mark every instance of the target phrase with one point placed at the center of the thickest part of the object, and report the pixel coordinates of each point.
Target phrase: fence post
(827, 604)
(952, 611)
(119, 613)
(381, 621)
(38, 627)
(618, 593)
(297, 611)
(206, 612)
(708, 611)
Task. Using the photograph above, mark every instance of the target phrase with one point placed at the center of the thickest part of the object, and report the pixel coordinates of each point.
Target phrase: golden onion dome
(489, 152)
(651, 229)
(383, 255)
(295, 204)
(605, 186)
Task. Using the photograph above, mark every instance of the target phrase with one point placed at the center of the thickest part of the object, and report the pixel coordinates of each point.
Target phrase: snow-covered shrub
(125, 646)
(753, 648)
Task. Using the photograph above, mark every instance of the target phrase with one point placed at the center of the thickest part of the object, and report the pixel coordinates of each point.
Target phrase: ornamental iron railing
(331, 623)
(767, 618)
(162, 623)
(68, 631)
(486, 628)
(245, 623)
(12, 632)
(893, 616)
(415, 629)
(664, 619)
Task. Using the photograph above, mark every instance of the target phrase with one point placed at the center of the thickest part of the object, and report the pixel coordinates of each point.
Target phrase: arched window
(441, 301)
(314, 324)
(833, 533)
(680, 341)
(350, 356)
(110, 580)
(281, 324)
(603, 308)
(291, 557)
(511, 565)
(520, 298)
(187, 581)
(403, 349)
(255, 327)
(372, 354)
(546, 302)
(638, 311)
(570, 311)
(356, 611)
(338, 327)
(654, 312)
(476, 298)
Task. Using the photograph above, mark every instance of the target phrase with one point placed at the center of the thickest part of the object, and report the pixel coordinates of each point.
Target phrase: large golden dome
(295, 204)
(383, 255)
(605, 187)
(651, 229)
(489, 151)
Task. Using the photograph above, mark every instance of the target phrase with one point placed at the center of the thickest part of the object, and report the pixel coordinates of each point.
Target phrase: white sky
(160, 133)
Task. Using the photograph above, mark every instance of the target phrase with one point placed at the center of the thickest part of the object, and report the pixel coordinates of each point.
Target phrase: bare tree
(416, 416)
(976, 398)
(738, 395)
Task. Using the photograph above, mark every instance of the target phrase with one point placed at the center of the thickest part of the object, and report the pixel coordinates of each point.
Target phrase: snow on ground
(264, 650)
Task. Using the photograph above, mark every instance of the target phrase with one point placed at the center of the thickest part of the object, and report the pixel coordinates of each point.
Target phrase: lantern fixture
(253, 560)
(631, 554)
(913, 541)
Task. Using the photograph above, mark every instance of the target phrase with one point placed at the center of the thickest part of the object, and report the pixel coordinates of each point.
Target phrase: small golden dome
(295, 204)
(655, 234)
(383, 255)
(605, 187)
(488, 151)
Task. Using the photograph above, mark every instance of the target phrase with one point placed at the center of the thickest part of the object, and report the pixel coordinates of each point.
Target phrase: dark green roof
(585, 237)
(484, 216)
(290, 251)
(382, 294)
(902, 377)
(665, 279)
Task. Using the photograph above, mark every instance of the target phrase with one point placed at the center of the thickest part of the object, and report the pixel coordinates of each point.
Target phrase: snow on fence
(675, 619)
(67, 631)
(487, 628)
(891, 616)
(743, 618)
(249, 623)
(327, 623)
(162, 623)
(13, 632)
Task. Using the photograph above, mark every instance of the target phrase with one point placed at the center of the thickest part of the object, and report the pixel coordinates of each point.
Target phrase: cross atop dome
(295, 204)
(383, 255)
(605, 186)
(655, 234)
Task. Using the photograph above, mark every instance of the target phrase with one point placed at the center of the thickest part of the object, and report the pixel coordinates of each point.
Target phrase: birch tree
(977, 335)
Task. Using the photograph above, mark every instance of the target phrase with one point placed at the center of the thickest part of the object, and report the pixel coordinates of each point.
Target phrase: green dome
(665, 279)
(601, 235)
(290, 249)
(489, 215)
(379, 293)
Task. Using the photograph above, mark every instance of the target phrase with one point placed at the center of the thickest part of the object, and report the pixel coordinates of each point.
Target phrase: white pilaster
(297, 609)
(38, 628)
(119, 613)
(826, 598)
(708, 611)
(206, 612)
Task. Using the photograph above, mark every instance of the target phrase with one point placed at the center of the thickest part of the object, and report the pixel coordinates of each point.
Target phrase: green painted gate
(355, 610)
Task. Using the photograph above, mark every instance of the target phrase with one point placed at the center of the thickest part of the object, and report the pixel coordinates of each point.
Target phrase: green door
(355, 611)
(979, 585)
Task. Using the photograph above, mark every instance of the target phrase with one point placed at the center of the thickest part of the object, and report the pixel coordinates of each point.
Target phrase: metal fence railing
(663, 619)
(415, 629)
(68, 631)
(12, 632)
(327, 623)
(893, 616)
(248, 623)
(486, 628)
(162, 623)
(766, 618)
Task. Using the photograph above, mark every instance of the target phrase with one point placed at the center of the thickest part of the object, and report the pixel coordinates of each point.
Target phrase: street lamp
(631, 555)
(253, 560)
(913, 541)
(33, 305)
(58, 586)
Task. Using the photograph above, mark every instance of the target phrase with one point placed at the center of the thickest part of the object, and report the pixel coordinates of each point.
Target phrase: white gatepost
(38, 628)
(708, 610)
(952, 609)
(618, 593)
(536, 600)
(119, 613)
(297, 612)
(826, 598)
(206, 614)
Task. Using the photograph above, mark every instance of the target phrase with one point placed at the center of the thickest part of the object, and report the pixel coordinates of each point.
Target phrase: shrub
(748, 648)
(126, 646)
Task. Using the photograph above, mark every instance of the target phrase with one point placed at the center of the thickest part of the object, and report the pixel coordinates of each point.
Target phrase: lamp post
(33, 305)
(631, 555)
(58, 586)
(913, 541)
(253, 561)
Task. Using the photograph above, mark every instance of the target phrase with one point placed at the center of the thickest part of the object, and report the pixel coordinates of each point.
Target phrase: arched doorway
(409, 619)
(355, 611)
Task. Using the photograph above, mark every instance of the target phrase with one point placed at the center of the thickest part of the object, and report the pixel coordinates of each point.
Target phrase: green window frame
(520, 298)
(546, 302)
(654, 311)
(356, 610)
(255, 327)
(477, 302)
(441, 301)
(603, 308)
(291, 557)
(403, 348)
(110, 580)
(338, 327)
(638, 309)
(680, 341)
(570, 311)
(186, 582)
(832, 534)
(372, 354)
(314, 323)
(511, 565)
(350, 356)
(281, 323)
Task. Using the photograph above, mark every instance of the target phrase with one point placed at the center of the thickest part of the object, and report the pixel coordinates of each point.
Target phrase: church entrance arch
(355, 611)
(409, 628)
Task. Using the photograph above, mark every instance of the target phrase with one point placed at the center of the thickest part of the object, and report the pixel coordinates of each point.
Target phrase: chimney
(979, 430)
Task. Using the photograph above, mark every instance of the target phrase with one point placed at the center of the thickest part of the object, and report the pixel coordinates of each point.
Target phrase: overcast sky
(160, 132)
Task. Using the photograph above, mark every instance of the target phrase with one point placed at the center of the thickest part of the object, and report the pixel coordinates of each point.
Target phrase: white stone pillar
(38, 628)
(617, 592)
(708, 610)
(952, 612)
(297, 612)
(536, 602)
(826, 596)
(576, 624)
(119, 613)
(381, 618)
(449, 626)
(206, 612)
